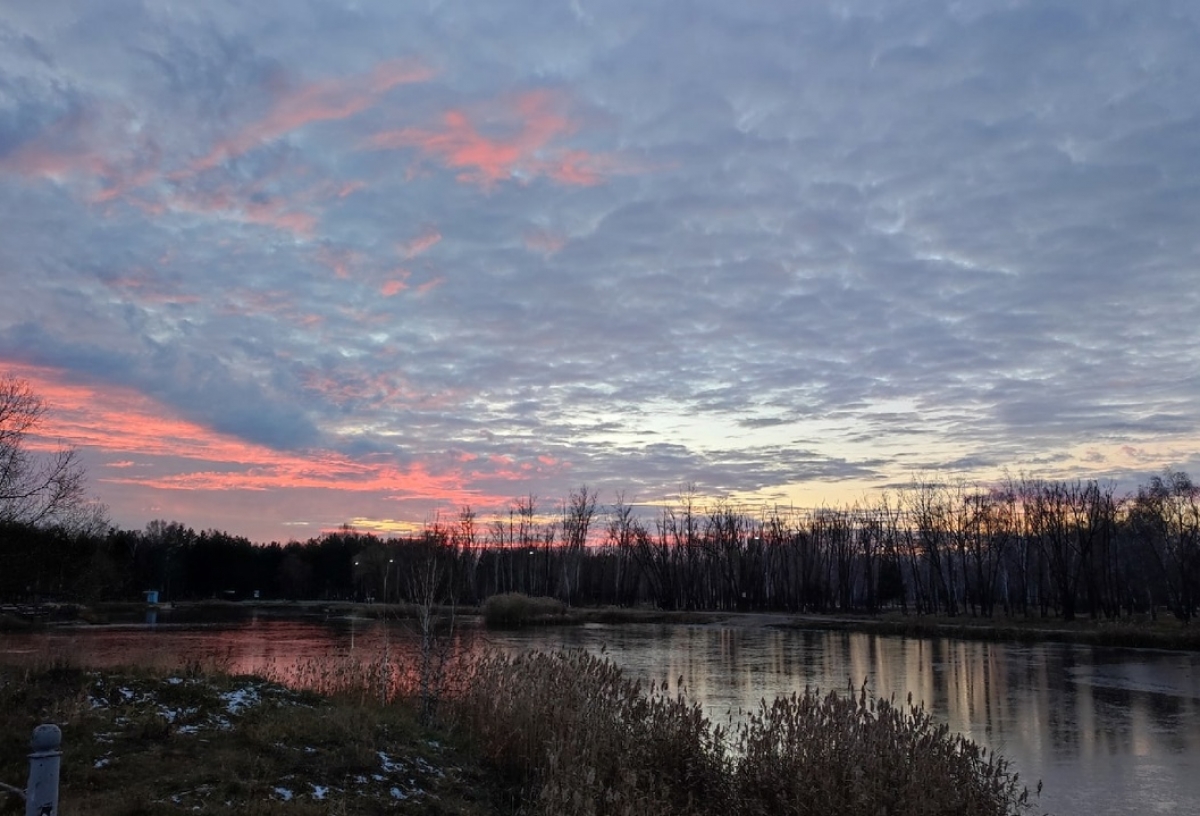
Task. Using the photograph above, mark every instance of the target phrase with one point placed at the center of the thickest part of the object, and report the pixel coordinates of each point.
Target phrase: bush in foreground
(577, 737)
(856, 756)
(564, 734)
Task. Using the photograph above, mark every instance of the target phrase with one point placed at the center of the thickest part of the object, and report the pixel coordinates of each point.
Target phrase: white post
(41, 796)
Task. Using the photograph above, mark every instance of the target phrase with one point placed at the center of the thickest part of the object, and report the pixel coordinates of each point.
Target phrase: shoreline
(1143, 633)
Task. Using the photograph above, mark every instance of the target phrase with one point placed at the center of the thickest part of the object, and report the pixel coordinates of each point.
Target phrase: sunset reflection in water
(1109, 731)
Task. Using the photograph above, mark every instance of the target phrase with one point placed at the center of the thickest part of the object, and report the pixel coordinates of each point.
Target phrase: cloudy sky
(279, 266)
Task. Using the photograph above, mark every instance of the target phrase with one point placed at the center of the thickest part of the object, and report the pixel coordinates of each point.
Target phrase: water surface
(1109, 731)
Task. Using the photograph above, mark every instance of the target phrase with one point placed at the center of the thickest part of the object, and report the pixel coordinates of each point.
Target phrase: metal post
(41, 796)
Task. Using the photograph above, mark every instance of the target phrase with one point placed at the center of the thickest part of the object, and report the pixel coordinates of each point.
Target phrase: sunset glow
(282, 268)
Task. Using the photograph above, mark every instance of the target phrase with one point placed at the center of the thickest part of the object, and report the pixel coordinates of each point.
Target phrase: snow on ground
(396, 777)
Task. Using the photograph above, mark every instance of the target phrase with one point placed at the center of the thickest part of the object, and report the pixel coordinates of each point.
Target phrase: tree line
(1022, 547)
(1025, 547)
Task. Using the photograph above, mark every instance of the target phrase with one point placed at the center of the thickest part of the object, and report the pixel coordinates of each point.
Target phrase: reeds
(566, 734)
(852, 754)
(577, 737)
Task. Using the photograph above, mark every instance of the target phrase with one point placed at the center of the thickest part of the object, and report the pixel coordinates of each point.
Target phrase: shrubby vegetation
(563, 734)
(576, 736)
(513, 610)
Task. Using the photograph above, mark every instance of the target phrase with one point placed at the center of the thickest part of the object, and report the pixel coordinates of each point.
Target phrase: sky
(282, 266)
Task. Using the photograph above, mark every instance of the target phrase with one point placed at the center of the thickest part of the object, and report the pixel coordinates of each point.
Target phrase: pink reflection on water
(1110, 731)
(340, 655)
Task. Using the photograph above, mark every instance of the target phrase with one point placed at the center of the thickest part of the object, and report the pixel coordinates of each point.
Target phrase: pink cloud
(339, 260)
(122, 422)
(146, 288)
(344, 387)
(534, 123)
(96, 149)
(430, 285)
(581, 168)
(108, 155)
(106, 166)
(39, 159)
(245, 206)
(547, 243)
(323, 101)
(392, 287)
(428, 238)
(278, 302)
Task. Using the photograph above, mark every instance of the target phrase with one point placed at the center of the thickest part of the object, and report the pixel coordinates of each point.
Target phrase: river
(1110, 732)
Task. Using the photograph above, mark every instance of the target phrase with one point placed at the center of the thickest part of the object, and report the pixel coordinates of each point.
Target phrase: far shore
(1163, 632)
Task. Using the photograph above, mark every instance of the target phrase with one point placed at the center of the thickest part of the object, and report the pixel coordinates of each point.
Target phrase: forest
(1025, 547)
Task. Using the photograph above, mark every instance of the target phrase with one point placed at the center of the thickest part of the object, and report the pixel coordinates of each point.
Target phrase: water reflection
(1110, 731)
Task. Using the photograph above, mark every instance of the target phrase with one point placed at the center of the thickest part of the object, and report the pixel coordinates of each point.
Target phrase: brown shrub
(849, 754)
(577, 737)
(513, 610)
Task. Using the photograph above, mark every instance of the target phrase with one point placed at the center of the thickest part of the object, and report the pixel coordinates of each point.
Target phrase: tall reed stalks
(576, 736)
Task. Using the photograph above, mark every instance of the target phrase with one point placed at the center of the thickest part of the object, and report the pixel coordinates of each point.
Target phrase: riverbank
(217, 611)
(137, 741)
(552, 734)
(1165, 632)
(1144, 633)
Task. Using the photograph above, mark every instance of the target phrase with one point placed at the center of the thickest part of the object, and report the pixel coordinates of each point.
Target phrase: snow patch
(389, 764)
(240, 699)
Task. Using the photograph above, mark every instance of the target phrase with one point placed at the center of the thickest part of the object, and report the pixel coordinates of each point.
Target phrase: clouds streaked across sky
(280, 266)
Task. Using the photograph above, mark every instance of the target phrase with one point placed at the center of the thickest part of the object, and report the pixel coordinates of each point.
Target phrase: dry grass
(572, 735)
(138, 742)
(563, 734)
(856, 756)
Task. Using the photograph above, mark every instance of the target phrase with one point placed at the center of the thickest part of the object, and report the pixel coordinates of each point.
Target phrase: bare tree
(623, 533)
(432, 582)
(33, 489)
(1166, 517)
(577, 514)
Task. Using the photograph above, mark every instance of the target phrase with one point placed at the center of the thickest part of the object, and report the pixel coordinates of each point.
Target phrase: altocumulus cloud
(375, 262)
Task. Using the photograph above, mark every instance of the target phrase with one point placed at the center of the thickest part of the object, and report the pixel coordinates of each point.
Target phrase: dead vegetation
(562, 734)
(141, 742)
(571, 734)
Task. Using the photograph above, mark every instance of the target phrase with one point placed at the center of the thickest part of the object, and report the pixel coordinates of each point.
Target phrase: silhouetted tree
(34, 489)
